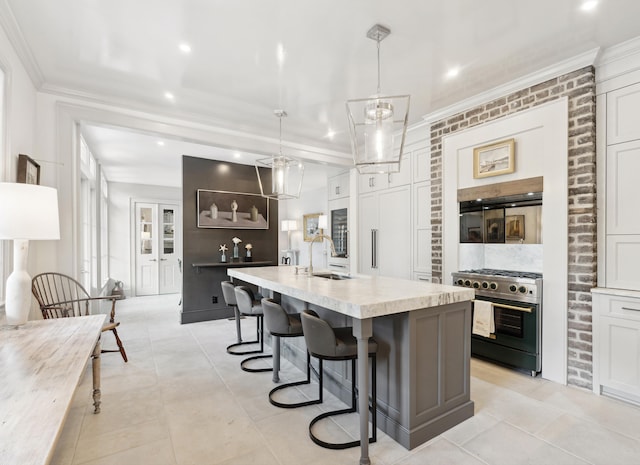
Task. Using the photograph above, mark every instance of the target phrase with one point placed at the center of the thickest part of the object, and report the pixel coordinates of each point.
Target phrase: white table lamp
(288, 226)
(27, 212)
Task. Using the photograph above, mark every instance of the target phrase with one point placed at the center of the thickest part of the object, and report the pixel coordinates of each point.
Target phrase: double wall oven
(516, 300)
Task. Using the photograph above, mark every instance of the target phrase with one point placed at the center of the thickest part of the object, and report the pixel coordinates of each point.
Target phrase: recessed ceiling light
(237, 154)
(589, 5)
(331, 134)
(160, 143)
(185, 47)
(453, 72)
(169, 96)
(280, 54)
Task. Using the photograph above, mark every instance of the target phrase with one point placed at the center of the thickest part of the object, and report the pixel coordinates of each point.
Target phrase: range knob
(522, 290)
(485, 285)
(493, 286)
(513, 288)
(476, 285)
(467, 283)
(460, 282)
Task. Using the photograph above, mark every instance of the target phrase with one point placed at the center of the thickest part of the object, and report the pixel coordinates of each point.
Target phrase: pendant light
(378, 124)
(286, 172)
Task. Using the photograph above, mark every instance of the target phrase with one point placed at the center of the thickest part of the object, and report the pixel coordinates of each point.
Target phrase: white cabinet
(623, 257)
(385, 233)
(375, 182)
(622, 114)
(617, 318)
(339, 186)
(421, 165)
(623, 166)
(422, 227)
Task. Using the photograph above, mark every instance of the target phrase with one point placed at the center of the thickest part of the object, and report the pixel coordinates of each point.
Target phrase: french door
(157, 248)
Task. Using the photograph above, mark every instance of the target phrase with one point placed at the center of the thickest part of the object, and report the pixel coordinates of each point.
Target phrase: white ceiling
(126, 52)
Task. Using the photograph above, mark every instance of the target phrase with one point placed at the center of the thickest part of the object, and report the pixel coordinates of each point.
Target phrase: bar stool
(248, 306)
(282, 324)
(229, 295)
(327, 343)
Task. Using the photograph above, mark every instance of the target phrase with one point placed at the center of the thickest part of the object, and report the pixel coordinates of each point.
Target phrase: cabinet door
(421, 165)
(623, 166)
(371, 182)
(367, 230)
(394, 236)
(620, 355)
(623, 112)
(403, 177)
(339, 186)
(422, 229)
(623, 256)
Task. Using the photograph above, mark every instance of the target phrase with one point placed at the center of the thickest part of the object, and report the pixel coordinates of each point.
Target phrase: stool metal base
(255, 370)
(296, 383)
(352, 409)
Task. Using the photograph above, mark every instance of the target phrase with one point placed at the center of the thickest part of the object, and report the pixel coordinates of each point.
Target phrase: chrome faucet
(322, 237)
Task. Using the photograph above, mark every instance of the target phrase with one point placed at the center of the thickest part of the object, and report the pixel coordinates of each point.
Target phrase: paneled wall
(579, 88)
(201, 286)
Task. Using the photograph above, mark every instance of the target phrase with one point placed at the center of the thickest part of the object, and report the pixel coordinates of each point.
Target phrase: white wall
(121, 196)
(313, 201)
(541, 135)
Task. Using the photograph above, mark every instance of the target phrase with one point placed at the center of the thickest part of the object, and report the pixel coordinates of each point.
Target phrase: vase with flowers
(236, 241)
(223, 249)
(247, 257)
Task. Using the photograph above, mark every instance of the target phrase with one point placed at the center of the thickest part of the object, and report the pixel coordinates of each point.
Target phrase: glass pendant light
(286, 172)
(378, 124)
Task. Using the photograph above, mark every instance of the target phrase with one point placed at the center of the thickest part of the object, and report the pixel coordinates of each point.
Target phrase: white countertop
(360, 297)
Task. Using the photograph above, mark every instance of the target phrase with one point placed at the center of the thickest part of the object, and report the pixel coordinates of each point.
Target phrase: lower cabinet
(616, 328)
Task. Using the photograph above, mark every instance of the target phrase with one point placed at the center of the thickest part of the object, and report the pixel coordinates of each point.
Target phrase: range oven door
(517, 337)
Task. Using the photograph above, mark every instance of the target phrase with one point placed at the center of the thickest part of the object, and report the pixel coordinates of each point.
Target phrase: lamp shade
(28, 211)
(323, 222)
(289, 225)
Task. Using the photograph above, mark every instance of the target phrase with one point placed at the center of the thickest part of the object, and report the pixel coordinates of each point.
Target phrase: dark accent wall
(200, 286)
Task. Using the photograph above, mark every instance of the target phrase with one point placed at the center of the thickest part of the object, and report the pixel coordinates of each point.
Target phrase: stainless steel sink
(335, 276)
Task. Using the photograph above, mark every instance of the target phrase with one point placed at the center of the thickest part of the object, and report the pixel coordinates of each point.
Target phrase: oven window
(508, 322)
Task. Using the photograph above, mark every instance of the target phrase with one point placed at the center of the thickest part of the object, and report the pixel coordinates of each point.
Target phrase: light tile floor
(182, 400)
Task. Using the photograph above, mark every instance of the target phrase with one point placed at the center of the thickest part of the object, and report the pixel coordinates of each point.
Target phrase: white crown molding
(16, 38)
(618, 60)
(558, 69)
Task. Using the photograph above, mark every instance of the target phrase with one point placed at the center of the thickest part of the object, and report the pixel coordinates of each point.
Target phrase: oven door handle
(509, 307)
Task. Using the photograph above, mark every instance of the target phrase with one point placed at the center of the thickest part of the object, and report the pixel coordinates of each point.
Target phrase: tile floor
(182, 400)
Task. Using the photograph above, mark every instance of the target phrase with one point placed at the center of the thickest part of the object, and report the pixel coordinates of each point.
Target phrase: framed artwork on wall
(232, 210)
(494, 159)
(310, 226)
(28, 170)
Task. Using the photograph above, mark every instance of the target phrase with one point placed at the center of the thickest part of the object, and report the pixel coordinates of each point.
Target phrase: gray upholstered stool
(327, 343)
(282, 324)
(248, 306)
(229, 295)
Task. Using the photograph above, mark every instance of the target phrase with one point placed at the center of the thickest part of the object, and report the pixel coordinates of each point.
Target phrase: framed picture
(232, 210)
(514, 227)
(494, 231)
(28, 170)
(494, 159)
(310, 226)
(474, 234)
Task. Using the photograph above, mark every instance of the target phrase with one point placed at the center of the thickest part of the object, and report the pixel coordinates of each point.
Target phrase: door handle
(163, 259)
(153, 260)
(374, 248)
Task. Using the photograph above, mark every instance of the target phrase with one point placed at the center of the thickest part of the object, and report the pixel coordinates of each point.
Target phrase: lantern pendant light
(286, 172)
(378, 124)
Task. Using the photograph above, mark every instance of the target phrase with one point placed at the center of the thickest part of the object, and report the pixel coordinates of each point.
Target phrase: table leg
(363, 330)
(95, 368)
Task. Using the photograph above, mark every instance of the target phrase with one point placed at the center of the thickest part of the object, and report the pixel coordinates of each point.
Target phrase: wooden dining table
(41, 365)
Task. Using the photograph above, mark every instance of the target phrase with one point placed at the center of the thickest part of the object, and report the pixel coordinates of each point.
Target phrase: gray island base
(423, 332)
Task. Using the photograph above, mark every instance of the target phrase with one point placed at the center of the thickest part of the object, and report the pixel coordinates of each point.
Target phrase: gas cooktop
(506, 273)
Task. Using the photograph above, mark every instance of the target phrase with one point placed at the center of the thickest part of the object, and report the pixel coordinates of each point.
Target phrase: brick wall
(579, 88)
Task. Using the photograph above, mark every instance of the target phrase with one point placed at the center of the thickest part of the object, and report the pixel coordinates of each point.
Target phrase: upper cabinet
(622, 114)
(339, 186)
(378, 181)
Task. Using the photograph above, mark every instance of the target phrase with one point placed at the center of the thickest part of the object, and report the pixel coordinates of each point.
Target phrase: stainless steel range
(516, 300)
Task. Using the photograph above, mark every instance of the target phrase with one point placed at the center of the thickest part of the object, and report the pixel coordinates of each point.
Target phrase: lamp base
(18, 303)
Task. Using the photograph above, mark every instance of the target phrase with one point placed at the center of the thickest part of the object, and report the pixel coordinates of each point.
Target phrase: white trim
(618, 59)
(19, 44)
(550, 72)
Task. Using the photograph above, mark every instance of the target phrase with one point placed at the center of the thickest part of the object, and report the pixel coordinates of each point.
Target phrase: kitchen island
(423, 332)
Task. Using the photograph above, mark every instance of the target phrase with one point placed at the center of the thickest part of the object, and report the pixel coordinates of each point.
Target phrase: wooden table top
(41, 364)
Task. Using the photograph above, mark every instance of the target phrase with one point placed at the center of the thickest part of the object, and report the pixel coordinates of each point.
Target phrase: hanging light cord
(280, 119)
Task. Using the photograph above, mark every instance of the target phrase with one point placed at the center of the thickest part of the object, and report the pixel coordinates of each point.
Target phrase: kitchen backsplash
(517, 257)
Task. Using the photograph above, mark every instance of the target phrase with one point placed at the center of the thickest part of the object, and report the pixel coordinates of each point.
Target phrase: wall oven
(516, 301)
